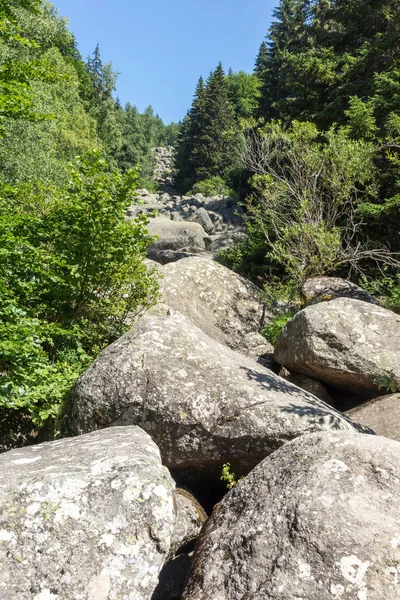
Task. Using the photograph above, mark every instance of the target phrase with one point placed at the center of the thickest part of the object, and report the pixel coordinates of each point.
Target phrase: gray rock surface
(202, 403)
(88, 518)
(176, 235)
(313, 386)
(190, 517)
(202, 217)
(319, 520)
(346, 343)
(317, 289)
(221, 303)
(382, 414)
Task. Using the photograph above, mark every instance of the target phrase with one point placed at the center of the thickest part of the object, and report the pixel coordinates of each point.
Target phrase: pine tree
(187, 140)
(261, 60)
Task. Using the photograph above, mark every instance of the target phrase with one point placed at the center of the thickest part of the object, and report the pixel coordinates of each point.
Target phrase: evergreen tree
(261, 60)
(188, 138)
(207, 144)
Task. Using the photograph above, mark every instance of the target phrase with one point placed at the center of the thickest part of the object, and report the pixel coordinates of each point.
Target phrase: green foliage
(72, 275)
(214, 186)
(387, 381)
(384, 285)
(306, 189)
(229, 477)
(208, 137)
(272, 331)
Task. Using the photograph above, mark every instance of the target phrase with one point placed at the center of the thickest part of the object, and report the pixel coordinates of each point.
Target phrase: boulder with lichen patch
(202, 403)
(318, 289)
(318, 519)
(345, 343)
(224, 305)
(89, 518)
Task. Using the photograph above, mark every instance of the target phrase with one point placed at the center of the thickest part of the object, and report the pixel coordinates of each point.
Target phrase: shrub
(215, 186)
(307, 187)
(71, 278)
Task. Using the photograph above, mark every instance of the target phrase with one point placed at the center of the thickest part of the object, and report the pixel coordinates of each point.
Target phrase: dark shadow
(316, 409)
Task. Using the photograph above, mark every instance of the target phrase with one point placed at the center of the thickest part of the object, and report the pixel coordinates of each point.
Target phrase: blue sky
(160, 48)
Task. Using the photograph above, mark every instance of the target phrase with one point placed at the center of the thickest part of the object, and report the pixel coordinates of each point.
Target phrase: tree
(208, 137)
(188, 138)
(261, 62)
(307, 188)
(71, 277)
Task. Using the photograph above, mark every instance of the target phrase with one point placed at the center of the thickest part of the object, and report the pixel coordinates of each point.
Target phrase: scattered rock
(88, 517)
(202, 403)
(201, 216)
(345, 343)
(318, 289)
(381, 414)
(318, 519)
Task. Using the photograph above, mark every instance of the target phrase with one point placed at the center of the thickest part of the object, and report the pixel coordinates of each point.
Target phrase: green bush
(272, 331)
(215, 186)
(71, 278)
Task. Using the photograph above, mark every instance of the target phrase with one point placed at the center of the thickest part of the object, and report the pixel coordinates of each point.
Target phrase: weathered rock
(226, 240)
(313, 386)
(202, 403)
(163, 257)
(201, 216)
(224, 305)
(190, 517)
(346, 343)
(89, 518)
(176, 235)
(318, 289)
(319, 519)
(381, 414)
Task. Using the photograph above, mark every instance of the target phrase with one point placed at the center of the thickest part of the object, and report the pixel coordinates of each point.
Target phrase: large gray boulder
(319, 520)
(221, 303)
(381, 414)
(89, 518)
(317, 289)
(176, 235)
(346, 343)
(202, 403)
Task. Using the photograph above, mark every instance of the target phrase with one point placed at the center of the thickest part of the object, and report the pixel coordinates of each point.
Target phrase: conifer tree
(187, 140)
(207, 143)
(261, 60)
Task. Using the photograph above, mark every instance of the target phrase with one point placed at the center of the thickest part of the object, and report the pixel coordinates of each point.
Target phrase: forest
(309, 144)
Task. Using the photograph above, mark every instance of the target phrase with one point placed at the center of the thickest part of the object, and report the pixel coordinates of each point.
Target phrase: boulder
(202, 403)
(190, 517)
(345, 343)
(85, 518)
(202, 217)
(317, 289)
(381, 414)
(176, 235)
(319, 519)
(221, 303)
(313, 386)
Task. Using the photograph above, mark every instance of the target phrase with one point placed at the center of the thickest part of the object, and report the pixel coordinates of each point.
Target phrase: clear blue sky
(161, 47)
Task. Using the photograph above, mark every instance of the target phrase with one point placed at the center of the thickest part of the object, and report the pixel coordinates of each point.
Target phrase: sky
(160, 48)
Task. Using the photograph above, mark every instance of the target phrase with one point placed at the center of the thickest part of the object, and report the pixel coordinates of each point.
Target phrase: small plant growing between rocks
(229, 476)
(387, 381)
